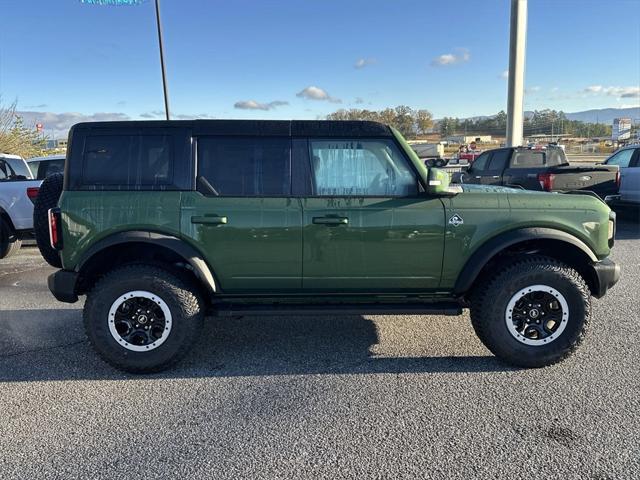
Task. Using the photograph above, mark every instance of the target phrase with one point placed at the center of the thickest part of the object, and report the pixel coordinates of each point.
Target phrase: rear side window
(363, 167)
(499, 160)
(129, 161)
(528, 159)
(244, 166)
(13, 169)
(45, 168)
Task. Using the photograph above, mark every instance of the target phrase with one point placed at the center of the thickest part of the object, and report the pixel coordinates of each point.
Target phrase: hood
(469, 187)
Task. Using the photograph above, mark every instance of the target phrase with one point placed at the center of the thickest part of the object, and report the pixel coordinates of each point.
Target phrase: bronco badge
(456, 220)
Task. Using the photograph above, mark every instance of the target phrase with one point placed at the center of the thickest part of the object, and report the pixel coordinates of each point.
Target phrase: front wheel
(9, 245)
(142, 319)
(533, 313)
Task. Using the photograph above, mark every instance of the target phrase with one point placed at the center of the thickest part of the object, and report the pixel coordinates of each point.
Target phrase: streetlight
(517, 47)
(160, 42)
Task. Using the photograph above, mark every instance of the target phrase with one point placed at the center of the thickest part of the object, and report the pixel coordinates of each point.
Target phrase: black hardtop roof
(296, 128)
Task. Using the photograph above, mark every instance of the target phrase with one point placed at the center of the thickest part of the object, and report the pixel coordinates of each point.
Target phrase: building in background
(621, 129)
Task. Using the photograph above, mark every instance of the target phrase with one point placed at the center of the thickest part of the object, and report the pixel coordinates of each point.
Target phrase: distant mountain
(602, 115)
(606, 115)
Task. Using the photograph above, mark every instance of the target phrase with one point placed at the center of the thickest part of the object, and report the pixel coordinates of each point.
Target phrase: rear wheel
(9, 244)
(142, 318)
(533, 313)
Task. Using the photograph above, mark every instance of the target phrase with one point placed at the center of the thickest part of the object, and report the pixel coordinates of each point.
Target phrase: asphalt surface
(324, 397)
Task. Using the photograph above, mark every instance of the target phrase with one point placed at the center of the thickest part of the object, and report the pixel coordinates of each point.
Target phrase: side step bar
(443, 308)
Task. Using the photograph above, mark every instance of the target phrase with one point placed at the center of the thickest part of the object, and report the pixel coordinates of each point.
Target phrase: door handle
(478, 176)
(331, 220)
(496, 176)
(210, 220)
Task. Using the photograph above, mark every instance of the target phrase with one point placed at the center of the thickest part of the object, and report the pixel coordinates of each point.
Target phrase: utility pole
(164, 73)
(517, 49)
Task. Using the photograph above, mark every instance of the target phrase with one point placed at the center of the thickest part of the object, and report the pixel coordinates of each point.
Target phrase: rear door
(496, 165)
(367, 227)
(242, 215)
(524, 167)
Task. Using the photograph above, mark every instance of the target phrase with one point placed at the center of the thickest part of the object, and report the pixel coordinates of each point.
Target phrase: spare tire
(48, 197)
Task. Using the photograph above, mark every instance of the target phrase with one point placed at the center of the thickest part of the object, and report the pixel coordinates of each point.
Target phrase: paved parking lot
(333, 397)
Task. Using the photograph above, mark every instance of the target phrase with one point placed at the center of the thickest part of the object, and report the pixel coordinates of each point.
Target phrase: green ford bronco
(162, 223)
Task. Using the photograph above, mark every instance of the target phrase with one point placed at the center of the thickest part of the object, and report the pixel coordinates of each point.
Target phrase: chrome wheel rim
(140, 321)
(537, 315)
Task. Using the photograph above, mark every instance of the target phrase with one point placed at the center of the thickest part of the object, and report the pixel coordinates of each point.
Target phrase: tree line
(412, 123)
(405, 119)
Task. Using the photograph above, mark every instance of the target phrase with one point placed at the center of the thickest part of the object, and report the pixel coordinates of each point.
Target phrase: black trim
(495, 245)
(607, 275)
(435, 308)
(62, 285)
(180, 247)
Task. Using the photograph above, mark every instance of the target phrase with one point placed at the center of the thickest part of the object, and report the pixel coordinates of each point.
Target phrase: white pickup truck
(18, 189)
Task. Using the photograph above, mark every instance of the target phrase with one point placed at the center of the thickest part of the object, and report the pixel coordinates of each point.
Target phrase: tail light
(546, 181)
(32, 193)
(55, 228)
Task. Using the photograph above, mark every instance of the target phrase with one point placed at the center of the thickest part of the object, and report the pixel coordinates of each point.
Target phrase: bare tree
(15, 138)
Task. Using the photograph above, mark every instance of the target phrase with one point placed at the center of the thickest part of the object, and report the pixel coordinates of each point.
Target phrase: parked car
(534, 169)
(17, 189)
(42, 167)
(627, 159)
(160, 222)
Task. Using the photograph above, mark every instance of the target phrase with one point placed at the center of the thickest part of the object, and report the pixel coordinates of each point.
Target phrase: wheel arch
(551, 242)
(143, 246)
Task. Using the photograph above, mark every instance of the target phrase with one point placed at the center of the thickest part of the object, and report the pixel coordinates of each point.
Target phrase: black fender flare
(495, 245)
(200, 267)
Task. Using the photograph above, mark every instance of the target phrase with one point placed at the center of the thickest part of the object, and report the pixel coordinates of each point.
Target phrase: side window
(244, 166)
(622, 158)
(362, 167)
(4, 170)
(499, 160)
(129, 161)
(481, 162)
(527, 159)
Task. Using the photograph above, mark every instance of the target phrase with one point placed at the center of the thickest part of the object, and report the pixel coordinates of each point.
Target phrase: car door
(626, 159)
(498, 160)
(242, 215)
(366, 226)
(478, 170)
(630, 180)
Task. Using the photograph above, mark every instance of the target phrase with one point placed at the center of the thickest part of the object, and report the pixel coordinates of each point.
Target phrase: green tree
(424, 121)
(15, 138)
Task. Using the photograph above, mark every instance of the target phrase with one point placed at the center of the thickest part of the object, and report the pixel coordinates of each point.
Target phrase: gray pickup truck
(17, 191)
(543, 170)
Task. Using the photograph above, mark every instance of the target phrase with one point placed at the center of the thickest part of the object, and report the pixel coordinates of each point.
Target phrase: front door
(366, 226)
(242, 215)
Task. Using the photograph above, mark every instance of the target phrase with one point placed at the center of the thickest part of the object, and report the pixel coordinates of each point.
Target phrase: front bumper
(62, 285)
(607, 275)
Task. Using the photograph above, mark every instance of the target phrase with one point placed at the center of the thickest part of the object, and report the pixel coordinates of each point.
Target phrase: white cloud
(505, 74)
(445, 59)
(363, 62)
(253, 105)
(57, 125)
(533, 89)
(317, 93)
(358, 101)
(620, 92)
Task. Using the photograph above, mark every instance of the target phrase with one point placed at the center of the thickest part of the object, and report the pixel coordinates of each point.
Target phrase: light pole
(517, 49)
(165, 89)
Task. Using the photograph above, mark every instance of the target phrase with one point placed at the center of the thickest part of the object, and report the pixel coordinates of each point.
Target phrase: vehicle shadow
(627, 225)
(249, 346)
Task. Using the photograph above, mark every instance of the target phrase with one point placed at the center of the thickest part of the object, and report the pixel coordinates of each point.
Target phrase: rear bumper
(607, 275)
(62, 285)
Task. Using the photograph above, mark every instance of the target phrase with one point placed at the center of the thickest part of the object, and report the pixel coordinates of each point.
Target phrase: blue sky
(257, 59)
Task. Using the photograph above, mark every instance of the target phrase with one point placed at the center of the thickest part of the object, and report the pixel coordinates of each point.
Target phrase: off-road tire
(8, 245)
(181, 297)
(47, 198)
(489, 304)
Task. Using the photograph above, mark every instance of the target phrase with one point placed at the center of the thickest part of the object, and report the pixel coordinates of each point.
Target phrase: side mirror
(438, 182)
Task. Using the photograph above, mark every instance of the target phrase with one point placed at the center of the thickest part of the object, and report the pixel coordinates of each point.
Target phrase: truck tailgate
(600, 179)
